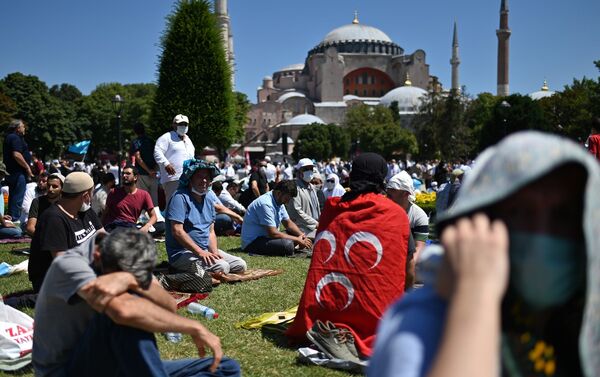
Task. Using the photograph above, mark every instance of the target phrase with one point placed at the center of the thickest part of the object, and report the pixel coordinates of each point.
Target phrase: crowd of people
(515, 267)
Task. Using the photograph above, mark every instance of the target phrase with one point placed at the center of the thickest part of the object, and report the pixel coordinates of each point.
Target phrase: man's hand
(204, 338)
(101, 290)
(304, 241)
(145, 228)
(238, 219)
(478, 254)
(209, 258)
(170, 169)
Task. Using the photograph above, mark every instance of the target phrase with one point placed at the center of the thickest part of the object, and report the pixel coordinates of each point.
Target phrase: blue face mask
(546, 271)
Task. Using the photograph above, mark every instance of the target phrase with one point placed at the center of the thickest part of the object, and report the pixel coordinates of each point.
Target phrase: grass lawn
(258, 356)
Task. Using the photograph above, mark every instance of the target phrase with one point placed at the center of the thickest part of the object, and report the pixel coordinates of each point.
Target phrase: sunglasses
(331, 180)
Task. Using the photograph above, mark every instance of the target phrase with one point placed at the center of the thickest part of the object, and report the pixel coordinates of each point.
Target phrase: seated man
(260, 233)
(304, 208)
(226, 218)
(7, 228)
(64, 225)
(361, 246)
(99, 307)
(228, 197)
(125, 204)
(190, 227)
(101, 194)
(40, 204)
(32, 190)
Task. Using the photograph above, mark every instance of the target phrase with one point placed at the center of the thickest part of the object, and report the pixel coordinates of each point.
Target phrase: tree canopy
(194, 77)
(322, 142)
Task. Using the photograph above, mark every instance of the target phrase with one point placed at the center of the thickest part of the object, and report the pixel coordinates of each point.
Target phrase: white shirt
(288, 173)
(170, 149)
(271, 172)
(229, 202)
(115, 171)
(30, 194)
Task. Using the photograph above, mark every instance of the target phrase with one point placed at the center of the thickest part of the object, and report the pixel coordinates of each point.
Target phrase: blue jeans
(16, 192)
(108, 349)
(223, 223)
(10, 232)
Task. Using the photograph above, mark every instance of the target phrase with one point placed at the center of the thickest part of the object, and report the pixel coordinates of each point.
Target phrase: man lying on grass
(99, 307)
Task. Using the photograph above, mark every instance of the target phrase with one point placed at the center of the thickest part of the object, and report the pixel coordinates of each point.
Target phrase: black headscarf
(367, 175)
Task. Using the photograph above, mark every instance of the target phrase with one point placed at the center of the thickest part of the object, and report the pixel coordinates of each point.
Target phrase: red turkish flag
(358, 267)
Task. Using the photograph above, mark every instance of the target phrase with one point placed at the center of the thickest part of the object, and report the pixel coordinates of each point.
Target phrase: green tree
(194, 77)
(376, 131)
(242, 107)
(322, 142)
(521, 113)
(99, 118)
(8, 109)
(51, 125)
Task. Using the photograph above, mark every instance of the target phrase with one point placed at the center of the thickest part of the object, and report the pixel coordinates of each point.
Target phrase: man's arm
(296, 206)
(158, 295)
(21, 161)
(160, 148)
(30, 228)
(296, 235)
(254, 187)
(226, 211)
(212, 240)
(139, 161)
(151, 221)
(186, 241)
(137, 312)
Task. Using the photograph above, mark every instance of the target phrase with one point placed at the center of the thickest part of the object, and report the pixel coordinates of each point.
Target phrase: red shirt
(122, 206)
(594, 145)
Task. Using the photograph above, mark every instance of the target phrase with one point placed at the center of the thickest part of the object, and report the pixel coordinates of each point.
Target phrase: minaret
(455, 61)
(227, 35)
(503, 34)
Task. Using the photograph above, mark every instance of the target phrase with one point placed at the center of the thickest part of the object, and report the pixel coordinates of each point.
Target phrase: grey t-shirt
(419, 223)
(61, 316)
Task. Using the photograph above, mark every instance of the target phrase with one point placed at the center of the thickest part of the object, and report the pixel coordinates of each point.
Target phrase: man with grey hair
(17, 159)
(99, 308)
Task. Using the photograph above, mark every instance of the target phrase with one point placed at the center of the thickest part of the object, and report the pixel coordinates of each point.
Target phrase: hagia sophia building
(353, 64)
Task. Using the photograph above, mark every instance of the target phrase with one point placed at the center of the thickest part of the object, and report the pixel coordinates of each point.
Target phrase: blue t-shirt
(409, 335)
(263, 212)
(15, 143)
(196, 219)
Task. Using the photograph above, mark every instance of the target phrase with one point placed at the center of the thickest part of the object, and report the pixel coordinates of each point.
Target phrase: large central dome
(355, 32)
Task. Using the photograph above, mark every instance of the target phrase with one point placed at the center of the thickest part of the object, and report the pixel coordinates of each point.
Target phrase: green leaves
(194, 78)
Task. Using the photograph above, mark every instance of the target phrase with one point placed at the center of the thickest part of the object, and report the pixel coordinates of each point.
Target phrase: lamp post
(117, 103)
(506, 106)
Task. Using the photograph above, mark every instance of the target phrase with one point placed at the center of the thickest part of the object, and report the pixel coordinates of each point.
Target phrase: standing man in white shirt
(270, 172)
(170, 151)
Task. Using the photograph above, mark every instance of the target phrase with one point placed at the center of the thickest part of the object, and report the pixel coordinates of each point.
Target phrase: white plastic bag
(16, 338)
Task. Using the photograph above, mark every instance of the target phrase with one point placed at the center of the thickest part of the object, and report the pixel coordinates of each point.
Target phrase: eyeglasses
(331, 180)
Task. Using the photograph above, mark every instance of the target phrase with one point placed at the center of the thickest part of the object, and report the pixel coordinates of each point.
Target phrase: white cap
(403, 182)
(304, 162)
(180, 118)
(268, 158)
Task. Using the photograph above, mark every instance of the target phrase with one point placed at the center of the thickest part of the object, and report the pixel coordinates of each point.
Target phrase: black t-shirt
(15, 143)
(57, 231)
(145, 146)
(261, 180)
(38, 206)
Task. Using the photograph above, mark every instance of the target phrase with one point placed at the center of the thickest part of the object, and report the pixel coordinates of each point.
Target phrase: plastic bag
(16, 338)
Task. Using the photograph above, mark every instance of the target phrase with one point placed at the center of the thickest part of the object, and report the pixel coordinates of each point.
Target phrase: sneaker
(336, 343)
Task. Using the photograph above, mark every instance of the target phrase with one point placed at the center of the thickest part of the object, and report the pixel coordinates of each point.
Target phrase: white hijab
(337, 189)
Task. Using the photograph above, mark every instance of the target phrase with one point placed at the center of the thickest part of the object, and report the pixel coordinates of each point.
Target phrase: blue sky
(88, 42)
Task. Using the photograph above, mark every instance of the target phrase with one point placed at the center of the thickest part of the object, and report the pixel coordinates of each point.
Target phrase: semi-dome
(409, 98)
(289, 95)
(292, 67)
(304, 119)
(542, 93)
(355, 32)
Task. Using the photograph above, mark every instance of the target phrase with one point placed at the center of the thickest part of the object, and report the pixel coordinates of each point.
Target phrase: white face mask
(182, 130)
(85, 207)
(308, 175)
(329, 185)
(198, 192)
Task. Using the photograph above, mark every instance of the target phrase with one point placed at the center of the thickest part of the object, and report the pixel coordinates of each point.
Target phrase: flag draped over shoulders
(357, 269)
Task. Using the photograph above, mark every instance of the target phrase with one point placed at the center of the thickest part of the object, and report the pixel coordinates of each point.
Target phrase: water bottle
(173, 337)
(205, 311)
